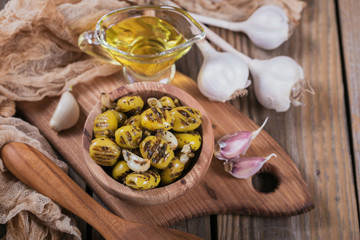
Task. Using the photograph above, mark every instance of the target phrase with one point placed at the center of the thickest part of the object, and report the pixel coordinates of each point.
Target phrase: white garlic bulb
(268, 27)
(278, 82)
(66, 114)
(223, 76)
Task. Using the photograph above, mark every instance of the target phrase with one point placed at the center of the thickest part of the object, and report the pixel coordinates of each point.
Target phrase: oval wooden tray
(217, 193)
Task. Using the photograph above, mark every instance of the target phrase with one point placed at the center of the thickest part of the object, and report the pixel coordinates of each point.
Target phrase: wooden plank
(349, 12)
(81, 224)
(198, 226)
(314, 135)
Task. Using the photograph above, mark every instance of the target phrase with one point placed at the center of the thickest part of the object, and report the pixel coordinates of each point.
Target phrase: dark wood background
(322, 137)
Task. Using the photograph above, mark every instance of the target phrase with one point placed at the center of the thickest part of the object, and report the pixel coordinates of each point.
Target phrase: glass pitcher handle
(88, 43)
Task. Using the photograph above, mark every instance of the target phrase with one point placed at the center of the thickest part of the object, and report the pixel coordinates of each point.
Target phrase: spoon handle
(40, 173)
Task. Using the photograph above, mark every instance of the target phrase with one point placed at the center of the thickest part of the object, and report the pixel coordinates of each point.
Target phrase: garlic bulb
(236, 144)
(244, 168)
(222, 76)
(268, 27)
(134, 162)
(278, 82)
(66, 113)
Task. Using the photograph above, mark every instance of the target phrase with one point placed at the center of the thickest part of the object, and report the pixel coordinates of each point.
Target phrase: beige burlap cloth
(39, 57)
(38, 41)
(28, 214)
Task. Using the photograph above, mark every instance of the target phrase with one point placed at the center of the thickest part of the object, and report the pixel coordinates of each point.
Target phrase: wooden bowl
(201, 161)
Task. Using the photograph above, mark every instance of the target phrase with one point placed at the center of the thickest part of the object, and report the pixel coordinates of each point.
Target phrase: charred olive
(120, 117)
(142, 181)
(186, 119)
(130, 103)
(128, 136)
(105, 124)
(155, 118)
(172, 171)
(167, 102)
(194, 138)
(157, 150)
(120, 170)
(134, 120)
(104, 151)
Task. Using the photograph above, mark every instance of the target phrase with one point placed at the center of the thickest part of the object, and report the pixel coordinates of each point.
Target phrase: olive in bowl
(142, 165)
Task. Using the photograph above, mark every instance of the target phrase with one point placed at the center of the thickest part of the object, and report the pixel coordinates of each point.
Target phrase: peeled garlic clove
(66, 113)
(244, 168)
(106, 101)
(223, 76)
(185, 153)
(278, 82)
(236, 144)
(153, 102)
(268, 27)
(170, 139)
(134, 162)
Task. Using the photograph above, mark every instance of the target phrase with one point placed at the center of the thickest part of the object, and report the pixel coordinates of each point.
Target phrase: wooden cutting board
(217, 193)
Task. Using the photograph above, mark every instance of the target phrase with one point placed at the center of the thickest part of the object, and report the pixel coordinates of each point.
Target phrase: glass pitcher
(145, 40)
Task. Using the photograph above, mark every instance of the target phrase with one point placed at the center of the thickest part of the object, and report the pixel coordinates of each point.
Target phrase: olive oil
(145, 35)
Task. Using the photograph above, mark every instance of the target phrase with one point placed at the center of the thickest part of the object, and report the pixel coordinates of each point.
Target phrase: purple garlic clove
(244, 168)
(236, 144)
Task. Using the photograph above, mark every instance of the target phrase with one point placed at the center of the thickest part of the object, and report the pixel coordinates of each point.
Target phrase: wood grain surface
(319, 131)
(316, 131)
(349, 12)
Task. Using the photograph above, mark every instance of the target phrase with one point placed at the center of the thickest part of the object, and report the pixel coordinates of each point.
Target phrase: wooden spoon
(40, 173)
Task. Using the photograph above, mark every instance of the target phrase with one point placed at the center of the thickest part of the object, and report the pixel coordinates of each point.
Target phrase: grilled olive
(167, 102)
(146, 180)
(157, 150)
(193, 138)
(134, 120)
(130, 103)
(155, 118)
(120, 117)
(172, 171)
(120, 170)
(105, 124)
(186, 119)
(104, 151)
(128, 136)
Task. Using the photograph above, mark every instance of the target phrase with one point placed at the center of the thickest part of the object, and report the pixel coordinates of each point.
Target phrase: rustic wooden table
(322, 137)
